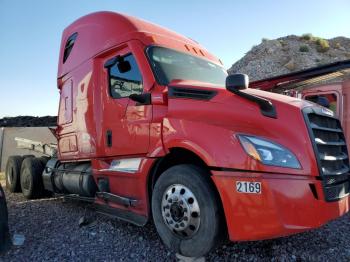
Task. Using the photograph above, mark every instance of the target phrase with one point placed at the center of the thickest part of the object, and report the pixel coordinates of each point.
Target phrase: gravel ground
(52, 233)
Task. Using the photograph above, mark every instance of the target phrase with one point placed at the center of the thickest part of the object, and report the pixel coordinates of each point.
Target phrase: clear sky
(30, 32)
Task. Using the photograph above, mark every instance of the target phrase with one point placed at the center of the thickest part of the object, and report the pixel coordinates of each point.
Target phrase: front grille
(331, 152)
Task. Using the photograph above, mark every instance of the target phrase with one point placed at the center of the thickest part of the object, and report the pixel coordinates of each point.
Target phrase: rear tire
(13, 173)
(44, 160)
(25, 156)
(31, 178)
(187, 211)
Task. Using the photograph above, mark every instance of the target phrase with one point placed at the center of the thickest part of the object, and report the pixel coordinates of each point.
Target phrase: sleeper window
(123, 84)
(69, 46)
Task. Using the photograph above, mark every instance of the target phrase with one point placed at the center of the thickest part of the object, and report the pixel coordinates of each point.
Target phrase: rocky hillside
(291, 53)
(24, 121)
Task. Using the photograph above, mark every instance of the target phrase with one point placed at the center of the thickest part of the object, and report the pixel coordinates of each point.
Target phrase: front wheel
(186, 211)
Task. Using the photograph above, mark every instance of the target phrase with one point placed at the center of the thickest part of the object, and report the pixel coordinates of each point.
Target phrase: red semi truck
(151, 127)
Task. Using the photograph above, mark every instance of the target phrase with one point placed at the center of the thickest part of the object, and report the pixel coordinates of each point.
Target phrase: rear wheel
(25, 156)
(13, 173)
(186, 210)
(44, 160)
(31, 178)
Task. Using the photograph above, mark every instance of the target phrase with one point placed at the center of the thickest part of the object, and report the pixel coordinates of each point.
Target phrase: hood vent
(191, 93)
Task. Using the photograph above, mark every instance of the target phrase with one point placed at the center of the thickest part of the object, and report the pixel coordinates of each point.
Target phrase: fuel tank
(69, 178)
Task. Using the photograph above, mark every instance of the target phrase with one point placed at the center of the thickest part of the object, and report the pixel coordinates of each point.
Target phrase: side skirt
(121, 214)
(112, 212)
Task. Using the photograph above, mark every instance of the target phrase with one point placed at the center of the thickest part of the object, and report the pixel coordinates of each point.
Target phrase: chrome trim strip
(127, 165)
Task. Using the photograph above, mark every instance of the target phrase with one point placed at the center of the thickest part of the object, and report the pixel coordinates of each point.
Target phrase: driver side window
(124, 83)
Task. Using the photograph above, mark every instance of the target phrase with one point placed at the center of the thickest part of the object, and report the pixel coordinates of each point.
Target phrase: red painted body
(206, 128)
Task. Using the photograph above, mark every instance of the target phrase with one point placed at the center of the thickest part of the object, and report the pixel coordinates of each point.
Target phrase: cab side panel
(76, 126)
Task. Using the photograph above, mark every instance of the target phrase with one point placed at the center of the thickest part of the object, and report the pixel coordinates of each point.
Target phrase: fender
(193, 147)
(188, 134)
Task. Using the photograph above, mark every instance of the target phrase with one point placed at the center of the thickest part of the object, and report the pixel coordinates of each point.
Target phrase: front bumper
(288, 204)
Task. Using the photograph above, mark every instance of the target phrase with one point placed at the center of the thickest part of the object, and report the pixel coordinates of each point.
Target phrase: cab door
(126, 123)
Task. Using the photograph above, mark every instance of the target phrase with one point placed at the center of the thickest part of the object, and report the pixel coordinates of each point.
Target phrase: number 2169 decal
(248, 187)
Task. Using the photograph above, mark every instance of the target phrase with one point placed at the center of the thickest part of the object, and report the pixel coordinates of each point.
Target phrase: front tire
(187, 211)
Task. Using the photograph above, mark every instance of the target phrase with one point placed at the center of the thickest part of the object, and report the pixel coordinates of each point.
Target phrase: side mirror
(124, 66)
(142, 99)
(237, 82)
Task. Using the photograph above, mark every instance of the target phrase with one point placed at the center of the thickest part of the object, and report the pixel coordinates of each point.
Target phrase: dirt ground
(52, 233)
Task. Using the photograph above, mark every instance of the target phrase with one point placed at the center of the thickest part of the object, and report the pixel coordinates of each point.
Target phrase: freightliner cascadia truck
(151, 127)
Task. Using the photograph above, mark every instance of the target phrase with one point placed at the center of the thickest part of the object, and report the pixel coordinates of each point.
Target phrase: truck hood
(216, 103)
(202, 110)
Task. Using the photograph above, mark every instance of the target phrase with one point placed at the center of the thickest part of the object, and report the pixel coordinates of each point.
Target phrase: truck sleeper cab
(147, 130)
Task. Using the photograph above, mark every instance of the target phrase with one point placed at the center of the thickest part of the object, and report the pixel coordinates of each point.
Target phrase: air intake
(191, 93)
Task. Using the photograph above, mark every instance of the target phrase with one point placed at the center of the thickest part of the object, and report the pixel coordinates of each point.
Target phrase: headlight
(268, 153)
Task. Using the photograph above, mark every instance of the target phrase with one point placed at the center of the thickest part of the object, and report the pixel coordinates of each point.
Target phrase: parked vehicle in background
(151, 127)
(4, 229)
(327, 85)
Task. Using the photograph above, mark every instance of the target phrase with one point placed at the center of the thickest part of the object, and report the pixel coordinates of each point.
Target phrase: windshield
(169, 65)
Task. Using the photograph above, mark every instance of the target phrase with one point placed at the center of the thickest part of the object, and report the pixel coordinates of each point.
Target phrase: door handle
(109, 138)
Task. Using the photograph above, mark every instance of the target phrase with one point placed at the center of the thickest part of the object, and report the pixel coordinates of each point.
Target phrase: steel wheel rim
(180, 210)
